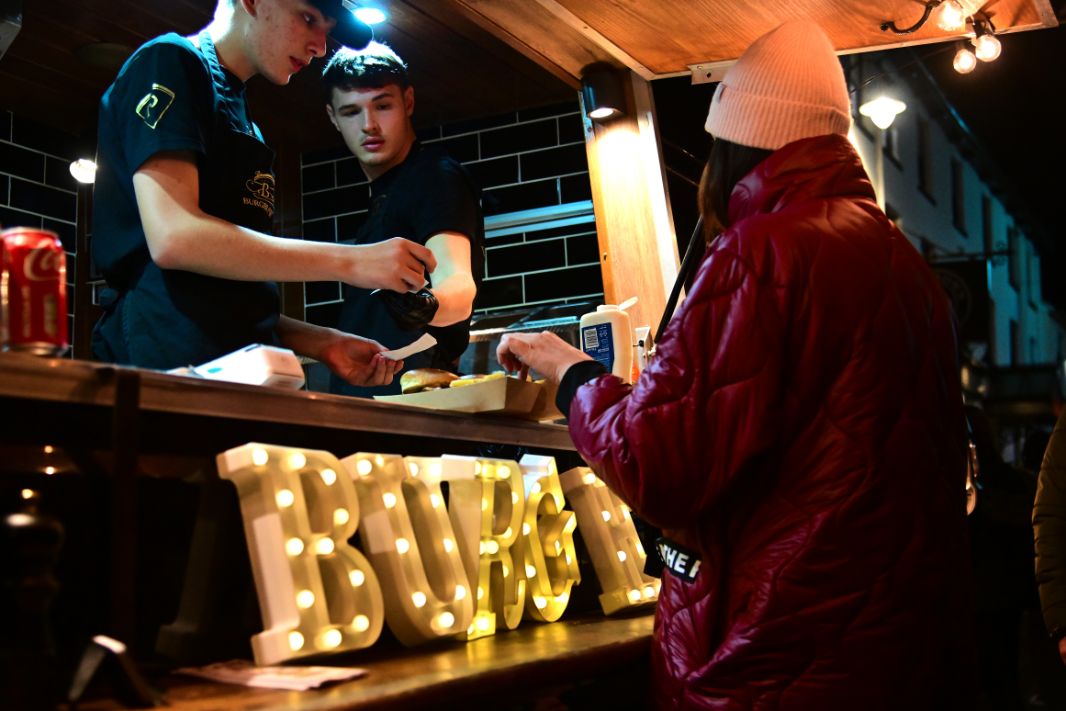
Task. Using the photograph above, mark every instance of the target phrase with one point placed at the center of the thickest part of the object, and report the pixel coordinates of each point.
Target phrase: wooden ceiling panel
(667, 36)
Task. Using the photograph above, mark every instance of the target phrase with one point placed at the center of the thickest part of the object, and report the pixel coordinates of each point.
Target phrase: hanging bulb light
(965, 61)
(952, 16)
(987, 47)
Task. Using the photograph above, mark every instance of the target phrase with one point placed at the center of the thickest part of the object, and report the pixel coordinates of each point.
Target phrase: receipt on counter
(426, 341)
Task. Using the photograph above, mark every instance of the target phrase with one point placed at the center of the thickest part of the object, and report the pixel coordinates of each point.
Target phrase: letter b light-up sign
(317, 594)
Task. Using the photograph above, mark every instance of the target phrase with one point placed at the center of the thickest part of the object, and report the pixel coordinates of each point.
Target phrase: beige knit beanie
(786, 86)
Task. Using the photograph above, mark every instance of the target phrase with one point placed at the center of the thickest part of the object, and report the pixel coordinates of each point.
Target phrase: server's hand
(544, 352)
(396, 264)
(359, 361)
(410, 310)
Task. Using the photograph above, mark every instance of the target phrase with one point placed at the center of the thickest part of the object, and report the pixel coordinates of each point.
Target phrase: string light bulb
(952, 16)
(964, 61)
(987, 47)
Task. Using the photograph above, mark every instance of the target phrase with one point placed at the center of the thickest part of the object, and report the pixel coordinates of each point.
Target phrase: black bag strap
(688, 267)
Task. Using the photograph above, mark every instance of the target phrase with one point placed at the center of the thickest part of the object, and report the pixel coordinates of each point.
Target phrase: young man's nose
(317, 46)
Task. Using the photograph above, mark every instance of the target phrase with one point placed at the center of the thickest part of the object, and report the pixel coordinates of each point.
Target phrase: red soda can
(33, 292)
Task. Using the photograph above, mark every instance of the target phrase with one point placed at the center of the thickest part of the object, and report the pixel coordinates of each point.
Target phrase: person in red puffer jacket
(800, 429)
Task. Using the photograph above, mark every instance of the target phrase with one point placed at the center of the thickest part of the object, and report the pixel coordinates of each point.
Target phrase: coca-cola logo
(42, 265)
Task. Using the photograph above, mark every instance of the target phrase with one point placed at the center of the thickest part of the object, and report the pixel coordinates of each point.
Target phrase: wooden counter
(604, 656)
(85, 392)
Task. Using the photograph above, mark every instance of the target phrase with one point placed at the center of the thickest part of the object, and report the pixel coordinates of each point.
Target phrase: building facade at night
(936, 184)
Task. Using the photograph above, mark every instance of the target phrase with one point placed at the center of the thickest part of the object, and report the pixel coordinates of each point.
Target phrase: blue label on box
(598, 342)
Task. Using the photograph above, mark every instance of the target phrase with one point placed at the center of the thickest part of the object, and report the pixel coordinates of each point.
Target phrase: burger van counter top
(74, 397)
(592, 662)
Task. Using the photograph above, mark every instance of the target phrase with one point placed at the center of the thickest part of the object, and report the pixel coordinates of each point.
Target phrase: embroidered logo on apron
(261, 188)
(155, 104)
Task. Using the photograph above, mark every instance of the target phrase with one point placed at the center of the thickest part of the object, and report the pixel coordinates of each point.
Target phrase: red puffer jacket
(801, 428)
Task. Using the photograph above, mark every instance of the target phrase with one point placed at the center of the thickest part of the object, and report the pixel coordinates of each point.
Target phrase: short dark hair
(369, 68)
(727, 164)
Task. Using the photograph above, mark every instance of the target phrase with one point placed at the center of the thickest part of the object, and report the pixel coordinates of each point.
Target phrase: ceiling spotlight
(83, 170)
(987, 47)
(370, 15)
(882, 111)
(602, 91)
(964, 61)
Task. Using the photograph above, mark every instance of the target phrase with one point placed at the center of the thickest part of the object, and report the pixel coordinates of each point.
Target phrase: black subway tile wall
(522, 160)
(36, 188)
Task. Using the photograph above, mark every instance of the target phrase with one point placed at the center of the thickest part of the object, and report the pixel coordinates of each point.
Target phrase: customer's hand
(544, 352)
(397, 264)
(359, 361)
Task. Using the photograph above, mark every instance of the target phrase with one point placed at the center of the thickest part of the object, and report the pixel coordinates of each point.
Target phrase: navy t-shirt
(427, 194)
(174, 95)
(160, 101)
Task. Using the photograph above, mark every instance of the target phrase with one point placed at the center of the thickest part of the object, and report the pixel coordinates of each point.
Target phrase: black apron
(170, 318)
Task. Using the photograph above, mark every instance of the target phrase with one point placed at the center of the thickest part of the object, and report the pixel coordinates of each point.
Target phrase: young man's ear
(250, 6)
(409, 100)
(332, 116)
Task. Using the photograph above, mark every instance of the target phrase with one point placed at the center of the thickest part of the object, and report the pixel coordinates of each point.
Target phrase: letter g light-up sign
(317, 594)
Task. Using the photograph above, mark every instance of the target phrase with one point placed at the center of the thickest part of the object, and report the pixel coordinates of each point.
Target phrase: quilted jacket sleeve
(1049, 525)
(703, 411)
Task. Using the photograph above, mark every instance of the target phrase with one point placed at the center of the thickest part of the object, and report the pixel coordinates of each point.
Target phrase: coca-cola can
(33, 292)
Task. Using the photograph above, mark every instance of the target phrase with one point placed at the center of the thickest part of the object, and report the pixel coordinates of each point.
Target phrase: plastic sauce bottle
(607, 336)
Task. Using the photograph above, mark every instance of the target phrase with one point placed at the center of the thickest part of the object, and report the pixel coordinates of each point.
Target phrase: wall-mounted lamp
(882, 111)
(602, 91)
(954, 16)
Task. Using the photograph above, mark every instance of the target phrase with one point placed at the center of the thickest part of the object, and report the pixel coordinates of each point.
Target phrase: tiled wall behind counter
(36, 188)
(522, 160)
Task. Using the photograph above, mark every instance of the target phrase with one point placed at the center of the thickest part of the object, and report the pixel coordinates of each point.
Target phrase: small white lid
(607, 307)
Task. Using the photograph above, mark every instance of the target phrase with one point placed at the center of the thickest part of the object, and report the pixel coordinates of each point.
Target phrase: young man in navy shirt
(417, 192)
(184, 201)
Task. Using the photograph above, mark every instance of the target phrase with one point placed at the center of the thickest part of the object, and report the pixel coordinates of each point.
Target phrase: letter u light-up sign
(497, 548)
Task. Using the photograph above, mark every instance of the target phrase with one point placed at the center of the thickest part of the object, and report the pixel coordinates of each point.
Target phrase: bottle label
(598, 343)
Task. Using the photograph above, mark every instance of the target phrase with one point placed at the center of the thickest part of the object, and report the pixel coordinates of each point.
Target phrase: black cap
(349, 31)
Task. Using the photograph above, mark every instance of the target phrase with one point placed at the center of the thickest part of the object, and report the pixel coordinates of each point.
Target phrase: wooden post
(634, 224)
